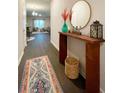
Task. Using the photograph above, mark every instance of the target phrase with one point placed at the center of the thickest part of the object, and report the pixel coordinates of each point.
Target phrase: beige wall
(47, 22)
(28, 21)
(97, 7)
(21, 28)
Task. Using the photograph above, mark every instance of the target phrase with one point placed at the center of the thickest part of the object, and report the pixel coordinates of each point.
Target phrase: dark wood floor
(41, 46)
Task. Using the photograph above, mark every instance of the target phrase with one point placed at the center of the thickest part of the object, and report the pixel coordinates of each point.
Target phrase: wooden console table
(92, 59)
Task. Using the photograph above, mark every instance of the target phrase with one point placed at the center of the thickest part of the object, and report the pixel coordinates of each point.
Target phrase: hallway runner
(39, 77)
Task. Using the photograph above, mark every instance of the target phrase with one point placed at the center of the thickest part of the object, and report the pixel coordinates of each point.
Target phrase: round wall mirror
(80, 14)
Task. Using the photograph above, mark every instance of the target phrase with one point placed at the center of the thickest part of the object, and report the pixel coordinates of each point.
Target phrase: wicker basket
(71, 67)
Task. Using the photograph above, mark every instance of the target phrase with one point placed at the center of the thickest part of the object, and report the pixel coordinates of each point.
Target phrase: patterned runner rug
(39, 77)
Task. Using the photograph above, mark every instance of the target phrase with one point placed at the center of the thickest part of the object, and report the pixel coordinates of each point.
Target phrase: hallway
(41, 46)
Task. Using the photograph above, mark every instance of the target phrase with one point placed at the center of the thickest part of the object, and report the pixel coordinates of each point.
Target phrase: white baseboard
(22, 53)
(54, 45)
(101, 90)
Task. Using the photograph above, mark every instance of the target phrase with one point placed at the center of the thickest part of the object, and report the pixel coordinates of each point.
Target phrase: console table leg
(62, 48)
(92, 68)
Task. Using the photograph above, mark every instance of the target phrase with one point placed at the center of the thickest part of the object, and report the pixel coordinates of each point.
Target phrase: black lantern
(96, 30)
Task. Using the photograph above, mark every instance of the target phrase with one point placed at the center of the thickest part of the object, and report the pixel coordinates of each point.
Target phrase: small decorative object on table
(96, 30)
(65, 15)
(76, 30)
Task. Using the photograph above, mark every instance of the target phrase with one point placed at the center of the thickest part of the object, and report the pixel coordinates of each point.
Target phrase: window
(39, 24)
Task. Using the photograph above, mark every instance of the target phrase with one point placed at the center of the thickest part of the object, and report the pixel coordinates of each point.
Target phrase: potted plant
(65, 15)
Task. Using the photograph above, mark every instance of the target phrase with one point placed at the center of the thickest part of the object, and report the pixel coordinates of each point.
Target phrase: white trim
(101, 90)
(54, 45)
(22, 53)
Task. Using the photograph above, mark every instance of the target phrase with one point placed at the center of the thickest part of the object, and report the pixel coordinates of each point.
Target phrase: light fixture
(33, 13)
(36, 14)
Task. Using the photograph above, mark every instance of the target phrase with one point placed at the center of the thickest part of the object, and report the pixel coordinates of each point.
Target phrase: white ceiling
(40, 6)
